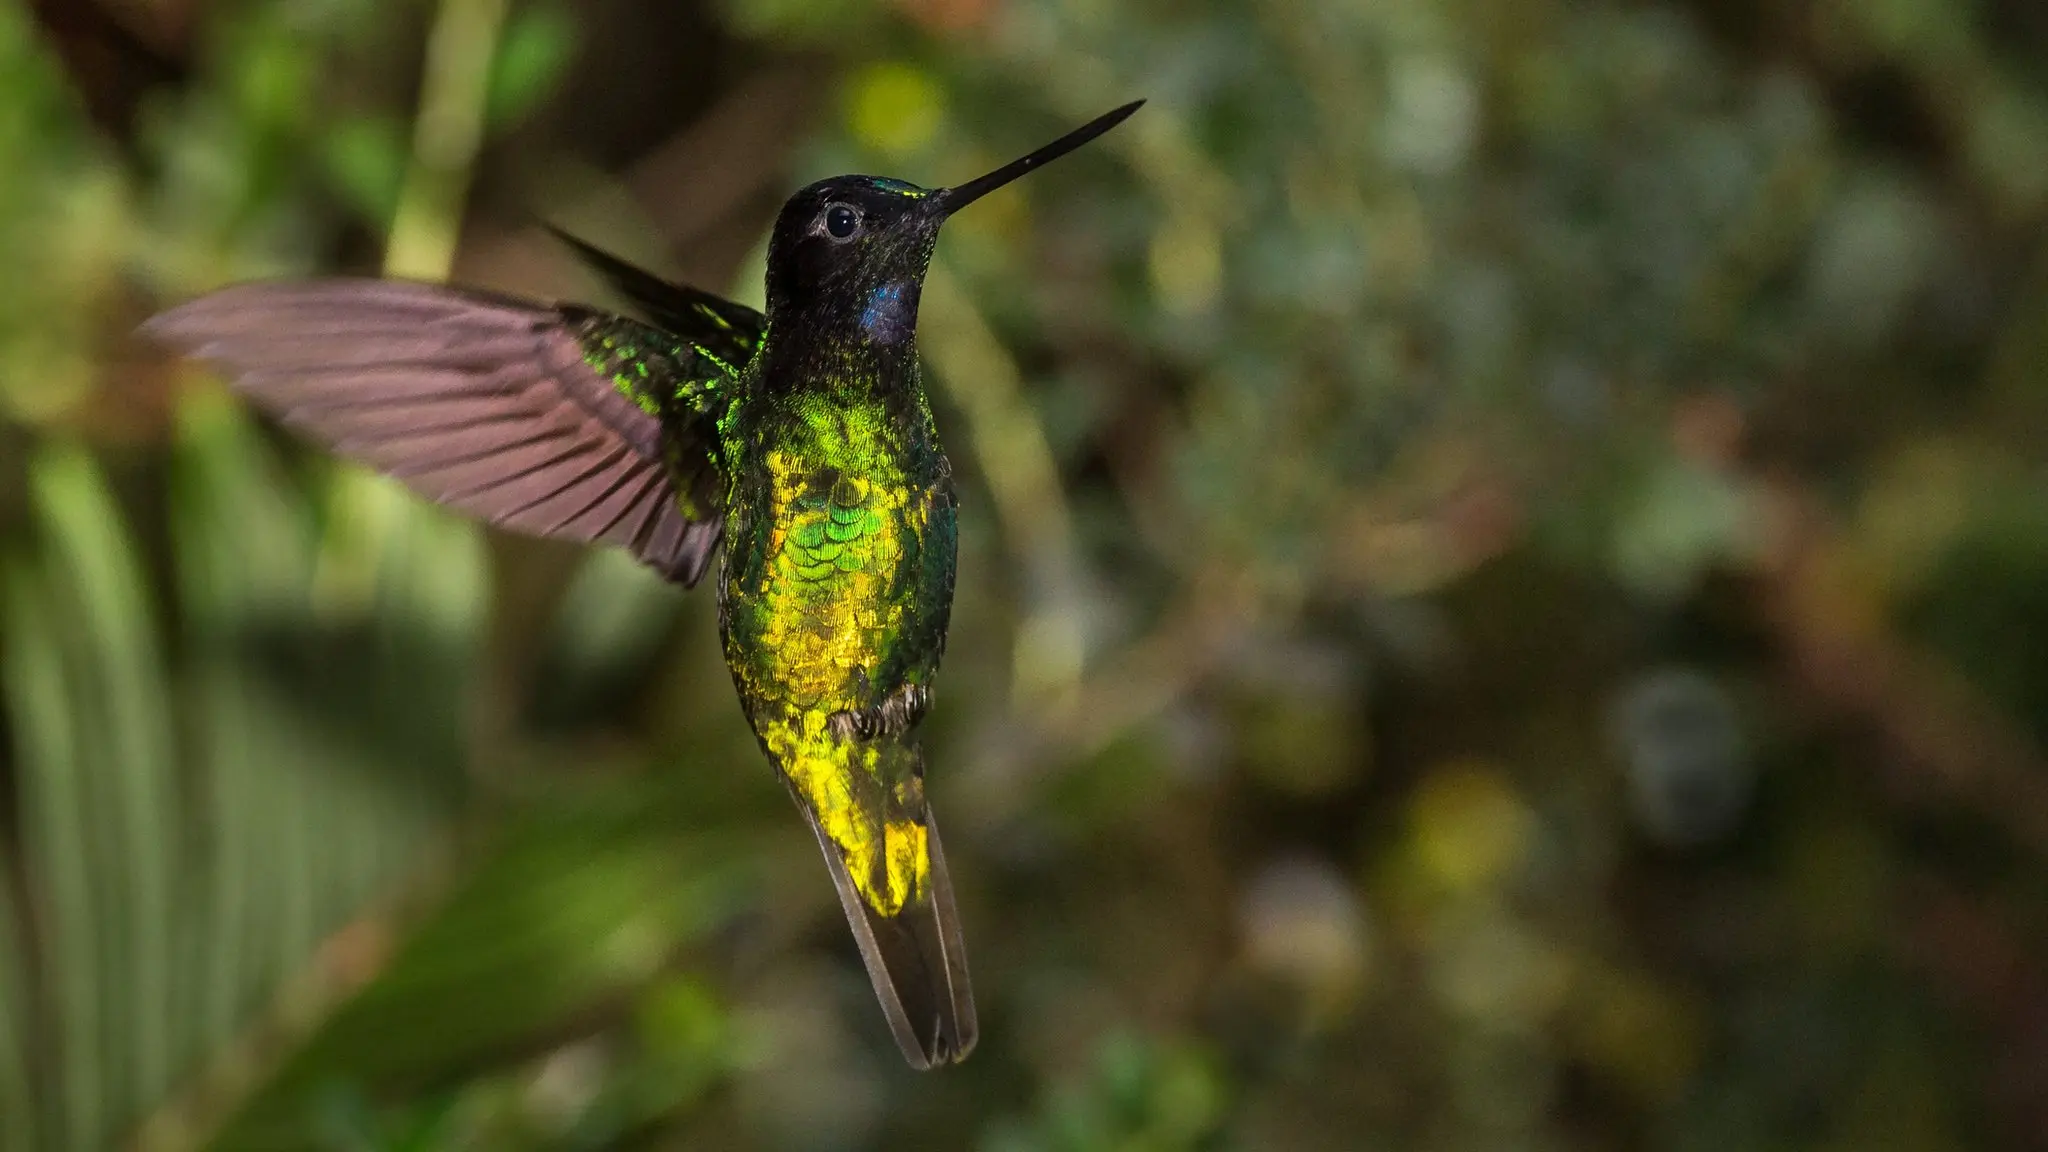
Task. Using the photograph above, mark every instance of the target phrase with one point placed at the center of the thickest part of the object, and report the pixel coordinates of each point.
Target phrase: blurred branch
(446, 138)
(1023, 480)
(1843, 651)
(115, 54)
(1147, 676)
(711, 189)
(703, 187)
(1996, 970)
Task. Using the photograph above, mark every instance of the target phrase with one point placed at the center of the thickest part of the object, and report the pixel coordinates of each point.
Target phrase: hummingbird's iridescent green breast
(838, 580)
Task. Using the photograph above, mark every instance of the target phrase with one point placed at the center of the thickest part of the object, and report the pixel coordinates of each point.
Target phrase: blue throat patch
(891, 313)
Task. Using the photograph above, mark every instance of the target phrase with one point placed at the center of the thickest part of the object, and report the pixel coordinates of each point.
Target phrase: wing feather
(620, 526)
(510, 411)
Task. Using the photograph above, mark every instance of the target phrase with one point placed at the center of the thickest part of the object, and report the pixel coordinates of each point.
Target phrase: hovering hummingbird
(803, 438)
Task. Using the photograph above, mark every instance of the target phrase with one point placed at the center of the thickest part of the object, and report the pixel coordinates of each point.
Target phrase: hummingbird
(801, 438)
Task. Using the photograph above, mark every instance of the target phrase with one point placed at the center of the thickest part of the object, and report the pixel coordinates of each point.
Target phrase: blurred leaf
(571, 912)
(57, 866)
(126, 727)
(18, 1012)
(272, 80)
(604, 643)
(365, 157)
(538, 44)
(97, 748)
(244, 560)
(161, 934)
(62, 220)
(1155, 1095)
(1984, 606)
(1683, 520)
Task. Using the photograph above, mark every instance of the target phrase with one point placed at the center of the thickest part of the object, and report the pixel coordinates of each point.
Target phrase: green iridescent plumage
(642, 363)
(802, 438)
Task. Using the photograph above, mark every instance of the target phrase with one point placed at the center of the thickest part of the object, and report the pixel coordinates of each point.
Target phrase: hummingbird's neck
(864, 344)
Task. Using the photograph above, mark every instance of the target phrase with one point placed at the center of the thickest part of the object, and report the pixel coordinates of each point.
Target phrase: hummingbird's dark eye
(841, 222)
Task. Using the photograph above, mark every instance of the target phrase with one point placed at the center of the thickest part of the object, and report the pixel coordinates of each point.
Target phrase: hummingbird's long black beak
(951, 200)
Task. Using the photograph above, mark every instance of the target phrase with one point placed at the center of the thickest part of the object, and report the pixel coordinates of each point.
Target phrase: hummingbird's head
(854, 249)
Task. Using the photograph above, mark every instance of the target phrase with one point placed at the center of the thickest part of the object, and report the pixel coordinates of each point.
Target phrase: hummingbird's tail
(915, 957)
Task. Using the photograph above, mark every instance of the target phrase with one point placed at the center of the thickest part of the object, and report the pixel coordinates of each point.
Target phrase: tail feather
(915, 958)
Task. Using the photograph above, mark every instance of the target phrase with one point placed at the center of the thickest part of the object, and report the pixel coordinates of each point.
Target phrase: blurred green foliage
(1501, 597)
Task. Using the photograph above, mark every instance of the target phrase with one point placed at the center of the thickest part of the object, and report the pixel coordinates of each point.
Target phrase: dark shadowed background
(1504, 596)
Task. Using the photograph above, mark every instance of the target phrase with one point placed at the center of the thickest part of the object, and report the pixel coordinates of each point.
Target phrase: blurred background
(1504, 594)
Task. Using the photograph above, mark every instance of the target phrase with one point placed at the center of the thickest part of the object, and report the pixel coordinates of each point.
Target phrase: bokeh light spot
(894, 108)
(1469, 826)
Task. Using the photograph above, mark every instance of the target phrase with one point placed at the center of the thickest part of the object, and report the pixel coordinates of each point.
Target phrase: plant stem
(447, 135)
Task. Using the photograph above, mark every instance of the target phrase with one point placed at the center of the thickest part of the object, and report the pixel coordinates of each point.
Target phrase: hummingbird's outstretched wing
(552, 420)
(915, 958)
